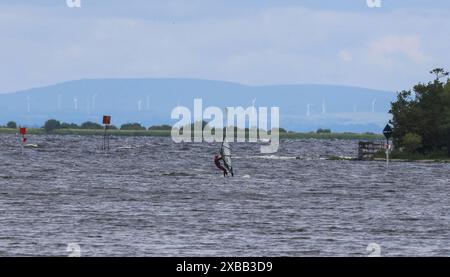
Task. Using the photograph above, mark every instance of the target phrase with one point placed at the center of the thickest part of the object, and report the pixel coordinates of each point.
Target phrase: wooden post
(23, 132)
(387, 154)
(105, 139)
(106, 122)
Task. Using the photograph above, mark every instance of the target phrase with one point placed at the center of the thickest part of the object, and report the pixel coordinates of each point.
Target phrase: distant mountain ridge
(304, 107)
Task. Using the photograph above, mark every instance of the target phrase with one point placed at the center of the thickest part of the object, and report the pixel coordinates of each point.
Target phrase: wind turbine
(308, 109)
(75, 104)
(139, 105)
(28, 104)
(373, 105)
(324, 110)
(88, 105)
(93, 101)
(58, 102)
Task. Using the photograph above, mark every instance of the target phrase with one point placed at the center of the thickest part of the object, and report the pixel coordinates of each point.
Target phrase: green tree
(160, 128)
(439, 72)
(69, 126)
(323, 131)
(91, 125)
(132, 126)
(11, 125)
(51, 125)
(445, 124)
(424, 111)
(412, 142)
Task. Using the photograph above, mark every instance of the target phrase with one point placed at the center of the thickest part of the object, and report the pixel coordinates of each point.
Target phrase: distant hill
(150, 102)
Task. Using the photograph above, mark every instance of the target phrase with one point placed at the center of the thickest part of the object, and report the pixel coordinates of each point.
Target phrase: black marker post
(387, 132)
(106, 122)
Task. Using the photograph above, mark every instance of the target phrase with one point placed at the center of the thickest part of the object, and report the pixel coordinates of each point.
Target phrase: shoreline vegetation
(398, 156)
(421, 121)
(55, 127)
(154, 132)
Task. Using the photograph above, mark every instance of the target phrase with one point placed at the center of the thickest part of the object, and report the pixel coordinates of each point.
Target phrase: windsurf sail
(225, 152)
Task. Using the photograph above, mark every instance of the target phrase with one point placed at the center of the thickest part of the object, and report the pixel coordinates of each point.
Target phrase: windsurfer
(217, 160)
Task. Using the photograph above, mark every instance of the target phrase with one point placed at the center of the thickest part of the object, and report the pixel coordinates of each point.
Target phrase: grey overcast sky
(250, 42)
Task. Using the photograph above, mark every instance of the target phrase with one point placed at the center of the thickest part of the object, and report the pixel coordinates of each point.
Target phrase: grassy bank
(345, 136)
(90, 132)
(166, 133)
(405, 156)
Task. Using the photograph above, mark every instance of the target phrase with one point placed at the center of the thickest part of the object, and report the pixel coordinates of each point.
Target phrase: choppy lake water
(152, 197)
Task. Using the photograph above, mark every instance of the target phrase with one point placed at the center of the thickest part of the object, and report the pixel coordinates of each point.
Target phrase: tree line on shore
(53, 124)
(421, 117)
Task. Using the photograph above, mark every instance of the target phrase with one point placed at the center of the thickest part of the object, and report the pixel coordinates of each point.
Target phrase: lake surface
(152, 197)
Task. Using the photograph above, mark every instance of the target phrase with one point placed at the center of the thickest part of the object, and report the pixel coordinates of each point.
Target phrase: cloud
(389, 48)
(243, 42)
(345, 56)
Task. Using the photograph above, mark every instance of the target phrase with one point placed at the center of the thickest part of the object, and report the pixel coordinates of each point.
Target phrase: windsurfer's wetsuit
(217, 160)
